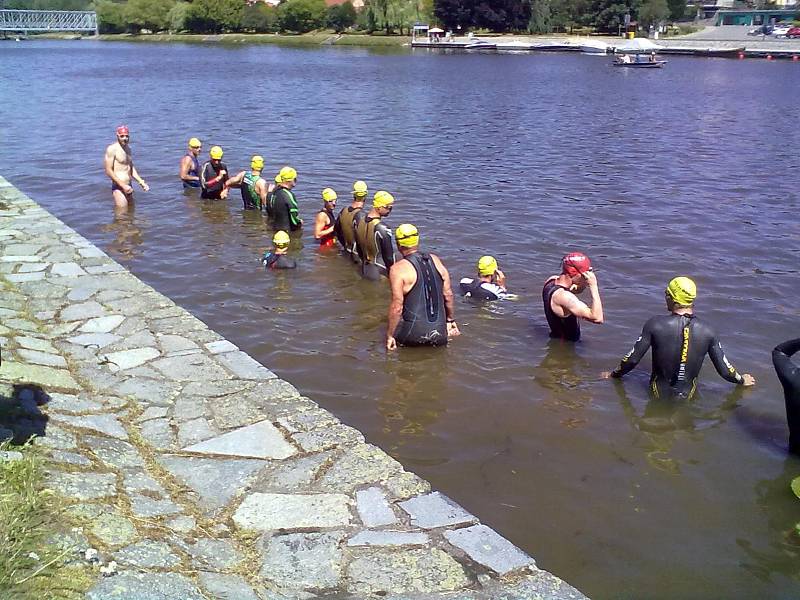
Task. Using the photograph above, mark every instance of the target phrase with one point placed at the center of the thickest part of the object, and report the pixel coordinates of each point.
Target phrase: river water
(686, 170)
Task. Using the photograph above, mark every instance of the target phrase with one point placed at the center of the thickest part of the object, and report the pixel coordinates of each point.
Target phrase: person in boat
(562, 307)
(625, 59)
(348, 219)
(213, 176)
(190, 165)
(285, 214)
(374, 239)
(680, 342)
(324, 223)
(652, 57)
(789, 376)
(252, 185)
(421, 312)
(490, 283)
(277, 257)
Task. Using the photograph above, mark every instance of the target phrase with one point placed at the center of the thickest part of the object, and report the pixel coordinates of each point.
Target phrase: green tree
(46, 4)
(341, 16)
(148, 14)
(260, 18)
(214, 16)
(653, 12)
(177, 16)
(302, 16)
(110, 17)
(609, 15)
(677, 9)
(540, 17)
(454, 13)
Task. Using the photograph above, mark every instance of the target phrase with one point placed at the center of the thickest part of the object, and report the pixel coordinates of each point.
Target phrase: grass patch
(29, 515)
(305, 39)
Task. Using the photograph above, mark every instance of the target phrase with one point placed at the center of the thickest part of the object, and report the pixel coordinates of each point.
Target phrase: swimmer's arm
(387, 248)
(723, 366)
(571, 304)
(447, 293)
(395, 306)
(137, 178)
(632, 358)
(235, 181)
(294, 212)
(784, 367)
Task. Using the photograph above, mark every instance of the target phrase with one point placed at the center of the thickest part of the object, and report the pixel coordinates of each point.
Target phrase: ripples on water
(688, 170)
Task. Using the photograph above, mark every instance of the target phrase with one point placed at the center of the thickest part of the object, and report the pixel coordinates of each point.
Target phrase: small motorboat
(480, 45)
(639, 64)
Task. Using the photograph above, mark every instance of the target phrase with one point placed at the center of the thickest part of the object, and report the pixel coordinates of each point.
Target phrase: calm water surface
(686, 170)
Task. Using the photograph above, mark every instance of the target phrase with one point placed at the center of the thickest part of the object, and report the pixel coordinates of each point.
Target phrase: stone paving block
(267, 511)
(127, 359)
(332, 437)
(47, 377)
(175, 343)
(69, 458)
(389, 538)
(66, 269)
(115, 453)
(82, 311)
(211, 554)
(108, 268)
(405, 485)
(374, 509)
(158, 434)
(67, 403)
(292, 474)
(102, 324)
(410, 570)
(194, 431)
(134, 341)
(262, 440)
(148, 554)
(487, 547)
(20, 277)
(82, 486)
(435, 510)
(216, 481)
(187, 408)
(146, 507)
(244, 366)
(22, 325)
(227, 587)
(17, 258)
(33, 267)
(91, 252)
(113, 529)
(153, 412)
(42, 358)
(137, 480)
(221, 346)
(360, 465)
(96, 340)
(35, 344)
(189, 368)
(303, 560)
(216, 389)
(102, 423)
(57, 438)
(182, 524)
(155, 392)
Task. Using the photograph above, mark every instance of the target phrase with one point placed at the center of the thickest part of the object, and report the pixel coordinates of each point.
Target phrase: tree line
(391, 16)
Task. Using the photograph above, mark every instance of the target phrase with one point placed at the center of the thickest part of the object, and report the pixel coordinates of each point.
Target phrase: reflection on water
(127, 233)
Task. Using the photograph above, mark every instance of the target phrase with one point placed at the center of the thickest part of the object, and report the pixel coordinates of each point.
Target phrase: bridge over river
(24, 21)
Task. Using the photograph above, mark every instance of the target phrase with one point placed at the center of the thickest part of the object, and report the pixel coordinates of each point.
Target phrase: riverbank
(193, 470)
(305, 39)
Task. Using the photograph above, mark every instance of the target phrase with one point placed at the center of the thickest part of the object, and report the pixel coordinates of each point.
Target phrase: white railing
(48, 20)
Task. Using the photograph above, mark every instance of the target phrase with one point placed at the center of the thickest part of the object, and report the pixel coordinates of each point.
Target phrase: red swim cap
(575, 263)
(122, 130)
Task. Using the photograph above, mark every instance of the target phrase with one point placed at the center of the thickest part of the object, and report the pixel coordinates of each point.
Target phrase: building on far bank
(758, 17)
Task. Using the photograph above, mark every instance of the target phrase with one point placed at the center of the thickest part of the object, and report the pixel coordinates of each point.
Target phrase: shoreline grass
(305, 39)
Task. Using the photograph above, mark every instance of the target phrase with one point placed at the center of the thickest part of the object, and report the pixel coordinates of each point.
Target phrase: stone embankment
(197, 470)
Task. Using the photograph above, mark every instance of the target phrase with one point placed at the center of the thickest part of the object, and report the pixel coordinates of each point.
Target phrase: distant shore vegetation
(385, 16)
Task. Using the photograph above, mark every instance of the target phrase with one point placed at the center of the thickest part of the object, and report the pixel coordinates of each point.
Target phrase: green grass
(306, 39)
(28, 516)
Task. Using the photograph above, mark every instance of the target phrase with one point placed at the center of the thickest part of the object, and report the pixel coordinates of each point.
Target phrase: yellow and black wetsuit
(284, 211)
(424, 321)
(789, 375)
(346, 230)
(680, 344)
(375, 247)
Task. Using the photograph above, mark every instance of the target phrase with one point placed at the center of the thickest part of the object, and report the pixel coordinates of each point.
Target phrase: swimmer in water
(374, 238)
(680, 342)
(253, 187)
(213, 176)
(118, 164)
(562, 307)
(190, 165)
(789, 376)
(324, 223)
(285, 214)
(490, 284)
(348, 218)
(277, 258)
(421, 312)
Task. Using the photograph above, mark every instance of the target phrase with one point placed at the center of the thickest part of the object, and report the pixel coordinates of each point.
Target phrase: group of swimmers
(421, 311)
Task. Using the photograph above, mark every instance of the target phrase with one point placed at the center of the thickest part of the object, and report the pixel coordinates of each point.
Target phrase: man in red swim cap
(118, 163)
(562, 307)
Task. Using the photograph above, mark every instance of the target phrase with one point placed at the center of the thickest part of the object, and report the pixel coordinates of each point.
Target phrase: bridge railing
(48, 20)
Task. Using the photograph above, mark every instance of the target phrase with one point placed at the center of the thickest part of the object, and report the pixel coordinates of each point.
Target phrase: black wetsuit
(194, 172)
(209, 172)
(424, 320)
(680, 344)
(565, 328)
(789, 376)
(285, 214)
(375, 247)
(345, 230)
(278, 261)
(250, 198)
(481, 290)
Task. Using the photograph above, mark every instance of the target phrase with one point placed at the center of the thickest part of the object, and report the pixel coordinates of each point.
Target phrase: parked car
(781, 29)
(793, 33)
(761, 30)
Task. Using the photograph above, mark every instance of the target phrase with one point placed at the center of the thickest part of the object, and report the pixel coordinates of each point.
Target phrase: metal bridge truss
(48, 20)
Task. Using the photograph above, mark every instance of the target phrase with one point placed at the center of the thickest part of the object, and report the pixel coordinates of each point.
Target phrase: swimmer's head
(575, 265)
(407, 236)
(195, 144)
(487, 266)
(123, 134)
(329, 195)
(257, 163)
(382, 199)
(360, 190)
(215, 153)
(280, 239)
(681, 291)
(287, 175)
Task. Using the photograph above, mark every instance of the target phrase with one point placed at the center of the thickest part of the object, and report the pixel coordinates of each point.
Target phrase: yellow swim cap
(381, 199)
(215, 152)
(287, 174)
(360, 188)
(281, 238)
(257, 163)
(407, 235)
(278, 178)
(682, 290)
(328, 195)
(195, 143)
(487, 265)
